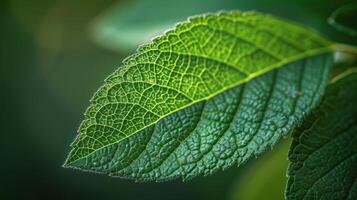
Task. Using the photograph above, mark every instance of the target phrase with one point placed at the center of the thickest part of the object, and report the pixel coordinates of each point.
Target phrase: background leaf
(126, 25)
(323, 152)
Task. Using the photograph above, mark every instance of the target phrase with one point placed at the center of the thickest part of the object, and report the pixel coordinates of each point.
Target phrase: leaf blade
(154, 153)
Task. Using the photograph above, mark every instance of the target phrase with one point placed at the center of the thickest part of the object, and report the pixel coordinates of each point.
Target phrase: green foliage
(323, 152)
(192, 101)
(215, 134)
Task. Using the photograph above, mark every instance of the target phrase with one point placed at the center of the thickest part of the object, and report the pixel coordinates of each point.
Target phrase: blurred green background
(55, 54)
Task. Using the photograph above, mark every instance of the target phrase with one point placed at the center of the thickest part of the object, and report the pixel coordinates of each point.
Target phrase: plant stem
(346, 48)
(344, 74)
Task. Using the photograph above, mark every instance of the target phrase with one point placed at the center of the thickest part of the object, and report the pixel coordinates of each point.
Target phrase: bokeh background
(55, 54)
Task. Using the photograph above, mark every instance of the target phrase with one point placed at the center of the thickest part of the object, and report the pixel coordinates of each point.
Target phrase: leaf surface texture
(215, 77)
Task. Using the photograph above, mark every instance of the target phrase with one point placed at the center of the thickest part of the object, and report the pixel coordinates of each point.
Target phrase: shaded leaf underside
(196, 61)
(225, 130)
(323, 154)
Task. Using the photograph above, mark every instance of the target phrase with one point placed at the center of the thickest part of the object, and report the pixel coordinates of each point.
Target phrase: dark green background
(49, 69)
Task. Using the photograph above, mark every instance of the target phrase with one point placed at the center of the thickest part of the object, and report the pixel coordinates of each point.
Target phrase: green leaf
(181, 99)
(343, 19)
(265, 178)
(323, 154)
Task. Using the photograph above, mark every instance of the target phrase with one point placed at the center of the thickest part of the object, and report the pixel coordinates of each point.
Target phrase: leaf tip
(70, 162)
(67, 163)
